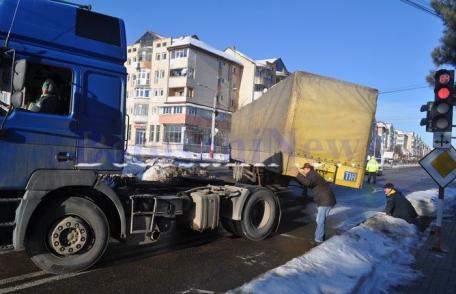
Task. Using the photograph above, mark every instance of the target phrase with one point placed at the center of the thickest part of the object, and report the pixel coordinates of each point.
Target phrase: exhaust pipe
(154, 235)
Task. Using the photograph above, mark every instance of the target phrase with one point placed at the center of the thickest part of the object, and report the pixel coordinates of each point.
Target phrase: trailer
(62, 145)
(305, 118)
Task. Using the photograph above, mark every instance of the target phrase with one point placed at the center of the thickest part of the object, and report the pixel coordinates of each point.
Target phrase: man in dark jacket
(397, 205)
(323, 196)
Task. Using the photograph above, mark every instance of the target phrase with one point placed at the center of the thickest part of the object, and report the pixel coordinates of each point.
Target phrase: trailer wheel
(260, 215)
(68, 236)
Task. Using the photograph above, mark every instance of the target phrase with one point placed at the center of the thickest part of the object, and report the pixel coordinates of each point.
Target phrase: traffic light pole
(438, 228)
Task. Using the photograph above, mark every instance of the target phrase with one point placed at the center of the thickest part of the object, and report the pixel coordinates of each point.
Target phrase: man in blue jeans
(323, 197)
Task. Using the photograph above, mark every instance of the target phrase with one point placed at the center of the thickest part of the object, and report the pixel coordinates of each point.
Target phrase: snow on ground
(369, 258)
(425, 202)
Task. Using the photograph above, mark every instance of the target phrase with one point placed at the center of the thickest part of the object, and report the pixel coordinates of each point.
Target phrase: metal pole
(211, 151)
(438, 229)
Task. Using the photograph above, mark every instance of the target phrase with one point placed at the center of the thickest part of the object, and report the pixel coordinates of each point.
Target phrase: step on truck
(62, 144)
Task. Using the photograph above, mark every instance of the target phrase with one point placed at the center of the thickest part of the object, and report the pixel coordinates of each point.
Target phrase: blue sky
(383, 44)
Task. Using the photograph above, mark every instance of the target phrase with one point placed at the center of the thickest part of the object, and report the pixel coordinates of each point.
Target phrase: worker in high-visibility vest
(372, 170)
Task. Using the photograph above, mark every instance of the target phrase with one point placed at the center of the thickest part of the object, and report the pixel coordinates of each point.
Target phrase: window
(142, 93)
(156, 75)
(177, 109)
(162, 92)
(152, 133)
(166, 110)
(179, 53)
(157, 138)
(58, 83)
(141, 109)
(98, 27)
(191, 73)
(162, 74)
(143, 77)
(158, 45)
(157, 56)
(129, 50)
(234, 69)
(154, 110)
(190, 92)
(140, 138)
(173, 134)
(164, 56)
(191, 110)
(164, 44)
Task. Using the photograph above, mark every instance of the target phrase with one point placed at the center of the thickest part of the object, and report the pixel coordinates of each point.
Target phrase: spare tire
(260, 215)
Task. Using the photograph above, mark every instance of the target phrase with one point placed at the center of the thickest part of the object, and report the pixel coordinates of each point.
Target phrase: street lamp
(214, 111)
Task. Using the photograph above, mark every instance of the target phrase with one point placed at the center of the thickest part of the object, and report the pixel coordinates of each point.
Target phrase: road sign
(442, 140)
(440, 164)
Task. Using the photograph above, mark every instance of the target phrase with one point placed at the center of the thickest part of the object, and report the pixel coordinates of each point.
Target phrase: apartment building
(139, 92)
(258, 75)
(186, 77)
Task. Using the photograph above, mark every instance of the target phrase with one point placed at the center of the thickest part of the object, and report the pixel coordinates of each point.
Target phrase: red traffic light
(443, 93)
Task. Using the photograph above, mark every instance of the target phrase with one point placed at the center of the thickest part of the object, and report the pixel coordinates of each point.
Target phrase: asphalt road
(188, 262)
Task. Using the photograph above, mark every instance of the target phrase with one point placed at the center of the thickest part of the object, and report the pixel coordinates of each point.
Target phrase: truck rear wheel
(68, 236)
(260, 215)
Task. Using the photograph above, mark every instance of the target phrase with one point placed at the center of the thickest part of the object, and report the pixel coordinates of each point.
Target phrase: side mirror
(17, 99)
(20, 70)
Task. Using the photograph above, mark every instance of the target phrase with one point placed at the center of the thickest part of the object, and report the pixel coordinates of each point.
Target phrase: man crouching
(323, 197)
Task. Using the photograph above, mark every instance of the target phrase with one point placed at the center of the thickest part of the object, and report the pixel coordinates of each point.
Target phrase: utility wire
(421, 7)
(402, 89)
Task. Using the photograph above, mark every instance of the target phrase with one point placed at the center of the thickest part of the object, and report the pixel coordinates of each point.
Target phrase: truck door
(101, 143)
(41, 133)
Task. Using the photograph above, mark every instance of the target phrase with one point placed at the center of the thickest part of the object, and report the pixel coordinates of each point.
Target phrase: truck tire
(68, 236)
(260, 215)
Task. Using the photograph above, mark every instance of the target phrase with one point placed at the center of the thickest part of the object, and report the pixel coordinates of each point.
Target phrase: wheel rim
(69, 236)
(260, 214)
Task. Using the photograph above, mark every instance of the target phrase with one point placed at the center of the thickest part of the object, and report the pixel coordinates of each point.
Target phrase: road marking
(21, 277)
(38, 282)
(191, 291)
(293, 237)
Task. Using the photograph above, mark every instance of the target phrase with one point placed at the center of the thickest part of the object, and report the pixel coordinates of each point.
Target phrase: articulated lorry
(62, 144)
(304, 118)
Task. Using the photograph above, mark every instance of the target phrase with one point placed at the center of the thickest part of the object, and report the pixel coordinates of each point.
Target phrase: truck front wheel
(260, 215)
(68, 236)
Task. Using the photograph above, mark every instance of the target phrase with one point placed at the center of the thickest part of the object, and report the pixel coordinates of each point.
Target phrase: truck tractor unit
(62, 144)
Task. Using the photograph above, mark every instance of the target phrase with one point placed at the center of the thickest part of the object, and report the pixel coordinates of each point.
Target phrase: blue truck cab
(62, 140)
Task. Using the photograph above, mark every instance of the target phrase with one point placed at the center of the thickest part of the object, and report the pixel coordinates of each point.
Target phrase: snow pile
(425, 202)
(369, 258)
(161, 169)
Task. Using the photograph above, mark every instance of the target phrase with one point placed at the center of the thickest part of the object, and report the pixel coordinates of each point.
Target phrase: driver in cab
(48, 102)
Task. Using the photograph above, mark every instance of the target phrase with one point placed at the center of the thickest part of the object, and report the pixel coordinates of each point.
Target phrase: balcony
(177, 81)
(176, 99)
(139, 118)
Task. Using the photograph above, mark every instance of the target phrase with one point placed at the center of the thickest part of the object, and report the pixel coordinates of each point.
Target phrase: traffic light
(427, 121)
(442, 108)
(439, 116)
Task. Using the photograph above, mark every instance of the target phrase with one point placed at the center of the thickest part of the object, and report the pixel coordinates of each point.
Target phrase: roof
(271, 60)
(148, 37)
(190, 41)
(261, 62)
